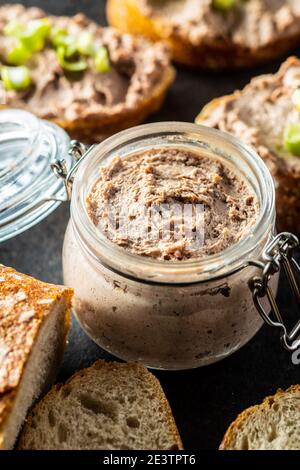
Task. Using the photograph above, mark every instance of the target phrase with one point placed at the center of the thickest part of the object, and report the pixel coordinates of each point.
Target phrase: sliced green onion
(85, 43)
(15, 78)
(57, 36)
(18, 55)
(292, 139)
(223, 5)
(78, 66)
(32, 35)
(35, 34)
(40, 27)
(102, 63)
(13, 28)
(61, 37)
(296, 99)
(70, 50)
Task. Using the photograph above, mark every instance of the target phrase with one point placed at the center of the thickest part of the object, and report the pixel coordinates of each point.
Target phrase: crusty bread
(107, 406)
(87, 118)
(221, 113)
(34, 322)
(212, 52)
(272, 425)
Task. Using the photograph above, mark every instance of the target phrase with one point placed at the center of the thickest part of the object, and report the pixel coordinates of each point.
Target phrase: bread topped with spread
(213, 33)
(91, 80)
(34, 322)
(266, 115)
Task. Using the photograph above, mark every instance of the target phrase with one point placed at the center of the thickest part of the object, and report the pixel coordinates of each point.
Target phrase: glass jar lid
(29, 189)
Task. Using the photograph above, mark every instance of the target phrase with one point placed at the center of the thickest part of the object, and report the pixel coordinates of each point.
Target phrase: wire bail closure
(278, 253)
(78, 151)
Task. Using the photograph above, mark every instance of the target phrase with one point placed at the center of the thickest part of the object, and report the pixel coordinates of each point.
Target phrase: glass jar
(166, 314)
(29, 191)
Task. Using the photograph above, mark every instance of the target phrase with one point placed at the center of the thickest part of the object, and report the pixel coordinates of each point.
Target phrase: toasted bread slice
(258, 115)
(225, 40)
(97, 129)
(272, 425)
(89, 105)
(34, 322)
(107, 406)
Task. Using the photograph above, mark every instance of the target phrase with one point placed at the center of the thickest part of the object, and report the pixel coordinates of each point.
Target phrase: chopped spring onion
(61, 37)
(15, 78)
(19, 54)
(292, 139)
(296, 99)
(13, 28)
(223, 5)
(78, 66)
(85, 44)
(31, 36)
(35, 34)
(102, 60)
(70, 50)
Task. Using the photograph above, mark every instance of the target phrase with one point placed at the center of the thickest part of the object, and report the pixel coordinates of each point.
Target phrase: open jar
(175, 314)
(167, 314)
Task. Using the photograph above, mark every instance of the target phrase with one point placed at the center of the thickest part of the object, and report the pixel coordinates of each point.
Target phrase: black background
(206, 400)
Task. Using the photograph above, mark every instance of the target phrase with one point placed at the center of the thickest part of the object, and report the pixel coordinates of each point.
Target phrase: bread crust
(140, 370)
(19, 329)
(287, 180)
(209, 54)
(229, 436)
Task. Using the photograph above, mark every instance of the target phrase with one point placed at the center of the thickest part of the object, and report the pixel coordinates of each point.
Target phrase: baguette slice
(272, 425)
(107, 406)
(93, 105)
(257, 115)
(226, 41)
(34, 322)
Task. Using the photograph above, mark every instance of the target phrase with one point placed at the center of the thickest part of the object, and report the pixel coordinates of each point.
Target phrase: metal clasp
(78, 151)
(277, 254)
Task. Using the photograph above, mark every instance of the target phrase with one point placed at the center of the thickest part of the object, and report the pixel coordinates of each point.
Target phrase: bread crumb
(216, 178)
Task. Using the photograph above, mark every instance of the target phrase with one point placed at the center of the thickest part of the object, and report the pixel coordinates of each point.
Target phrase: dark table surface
(205, 400)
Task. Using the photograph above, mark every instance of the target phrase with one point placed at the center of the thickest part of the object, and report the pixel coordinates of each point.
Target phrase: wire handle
(78, 151)
(278, 253)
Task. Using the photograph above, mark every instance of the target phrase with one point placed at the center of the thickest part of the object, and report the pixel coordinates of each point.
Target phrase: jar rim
(230, 260)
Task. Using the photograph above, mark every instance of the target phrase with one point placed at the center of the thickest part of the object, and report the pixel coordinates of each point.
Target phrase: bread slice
(272, 425)
(257, 115)
(93, 105)
(107, 406)
(34, 322)
(96, 129)
(254, 33)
